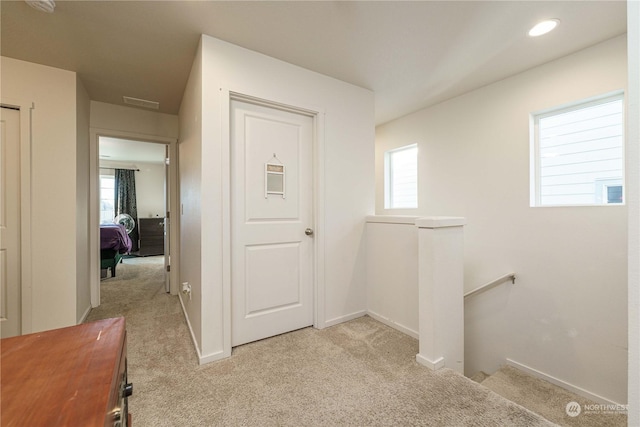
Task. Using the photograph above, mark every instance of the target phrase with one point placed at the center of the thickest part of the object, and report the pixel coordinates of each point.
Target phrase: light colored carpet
(479, 377)
(359, 373)
(155, 259)
(549, 400)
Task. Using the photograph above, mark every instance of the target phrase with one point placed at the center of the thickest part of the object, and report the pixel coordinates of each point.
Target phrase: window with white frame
(578, 154)
(401, 178)
(107, 195)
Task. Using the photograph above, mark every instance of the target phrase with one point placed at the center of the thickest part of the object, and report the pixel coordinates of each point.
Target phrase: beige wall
(190, 155)
(128, 123)
(133, 120)
(567, 314)
(63, 184)
(54, 191)
(83, 288)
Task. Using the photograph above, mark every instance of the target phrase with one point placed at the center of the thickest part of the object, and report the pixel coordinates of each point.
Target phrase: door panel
(271, 272)
(279, 264)
(284, 141)
(10, 300)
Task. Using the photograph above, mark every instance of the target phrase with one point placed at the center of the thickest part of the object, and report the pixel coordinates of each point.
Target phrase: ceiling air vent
(141, 102)
(42, 5)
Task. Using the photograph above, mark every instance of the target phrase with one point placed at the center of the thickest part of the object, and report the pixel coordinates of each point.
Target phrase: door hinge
(168, 214)
(168, 268)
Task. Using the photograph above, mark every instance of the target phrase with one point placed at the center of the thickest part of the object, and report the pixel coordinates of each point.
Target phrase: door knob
(308, 232)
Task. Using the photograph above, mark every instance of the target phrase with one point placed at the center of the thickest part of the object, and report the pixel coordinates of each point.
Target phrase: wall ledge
(418, 221)
(392, 219)
(440, 221)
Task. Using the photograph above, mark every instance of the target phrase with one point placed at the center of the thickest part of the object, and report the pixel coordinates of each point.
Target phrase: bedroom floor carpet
(359, 373)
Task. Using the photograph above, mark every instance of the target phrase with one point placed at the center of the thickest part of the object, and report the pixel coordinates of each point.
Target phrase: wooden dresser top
(62, 377)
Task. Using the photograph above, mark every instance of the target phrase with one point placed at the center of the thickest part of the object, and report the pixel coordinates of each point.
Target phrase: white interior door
(271, 210)
(10, 300)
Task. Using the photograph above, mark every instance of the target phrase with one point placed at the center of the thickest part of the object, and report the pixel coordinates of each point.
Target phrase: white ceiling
(411, 54)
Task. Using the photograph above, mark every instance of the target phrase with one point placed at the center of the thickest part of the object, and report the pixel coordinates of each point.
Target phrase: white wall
(392, 272)
(633, 200)
(150, 190)
(566, 315)
(347, 194)
(83, 288)
(54, 191)
(150, 184)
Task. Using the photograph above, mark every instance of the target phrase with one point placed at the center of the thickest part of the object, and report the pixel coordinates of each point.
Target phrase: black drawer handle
(128, 390)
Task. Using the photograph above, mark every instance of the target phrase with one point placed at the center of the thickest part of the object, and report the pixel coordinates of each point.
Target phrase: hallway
(357, 373)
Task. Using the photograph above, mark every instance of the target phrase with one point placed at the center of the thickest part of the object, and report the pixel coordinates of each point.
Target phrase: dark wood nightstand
(151, 234)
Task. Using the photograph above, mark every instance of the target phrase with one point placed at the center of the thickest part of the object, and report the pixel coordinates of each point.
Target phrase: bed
(114, 243)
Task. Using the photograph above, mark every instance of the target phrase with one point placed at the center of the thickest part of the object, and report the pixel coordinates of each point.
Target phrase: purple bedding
(114, 236)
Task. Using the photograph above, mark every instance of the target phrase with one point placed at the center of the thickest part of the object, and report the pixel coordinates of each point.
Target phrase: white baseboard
(561, 383)
(201, 359)
(345, 318)
(193, 335)
(434, 365)
(219, 355)
(394, 325)
(85, 314)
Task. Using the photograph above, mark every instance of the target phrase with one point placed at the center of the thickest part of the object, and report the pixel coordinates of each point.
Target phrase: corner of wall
(633, 189)
(190, 183)
(83, 282)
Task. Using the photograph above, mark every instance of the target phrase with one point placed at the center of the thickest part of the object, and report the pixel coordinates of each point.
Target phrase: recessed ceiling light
(543, 27)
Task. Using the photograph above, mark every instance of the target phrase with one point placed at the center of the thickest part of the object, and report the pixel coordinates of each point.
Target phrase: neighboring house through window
(578, 154)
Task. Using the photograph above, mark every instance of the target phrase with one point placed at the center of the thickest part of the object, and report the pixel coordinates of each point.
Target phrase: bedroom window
(107, 211)
(578, 154)
(401, 178)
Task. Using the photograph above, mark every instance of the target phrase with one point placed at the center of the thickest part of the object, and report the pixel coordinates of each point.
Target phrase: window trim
(534, 146)
(100, 199)
(388, 179)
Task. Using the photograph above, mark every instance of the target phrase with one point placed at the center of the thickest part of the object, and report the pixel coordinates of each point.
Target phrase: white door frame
(94, 196)
(317, 115)
(26, 108)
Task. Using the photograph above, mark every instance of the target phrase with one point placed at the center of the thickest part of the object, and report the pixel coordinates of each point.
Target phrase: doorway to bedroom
(133, 199)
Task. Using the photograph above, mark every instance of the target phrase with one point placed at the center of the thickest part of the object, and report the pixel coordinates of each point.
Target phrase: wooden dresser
(151, 235)
(74, 376)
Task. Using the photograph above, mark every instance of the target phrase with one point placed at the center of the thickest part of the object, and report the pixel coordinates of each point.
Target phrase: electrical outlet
(186, 288)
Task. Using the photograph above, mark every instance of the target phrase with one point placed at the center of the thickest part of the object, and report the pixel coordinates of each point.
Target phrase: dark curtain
(125, 200)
